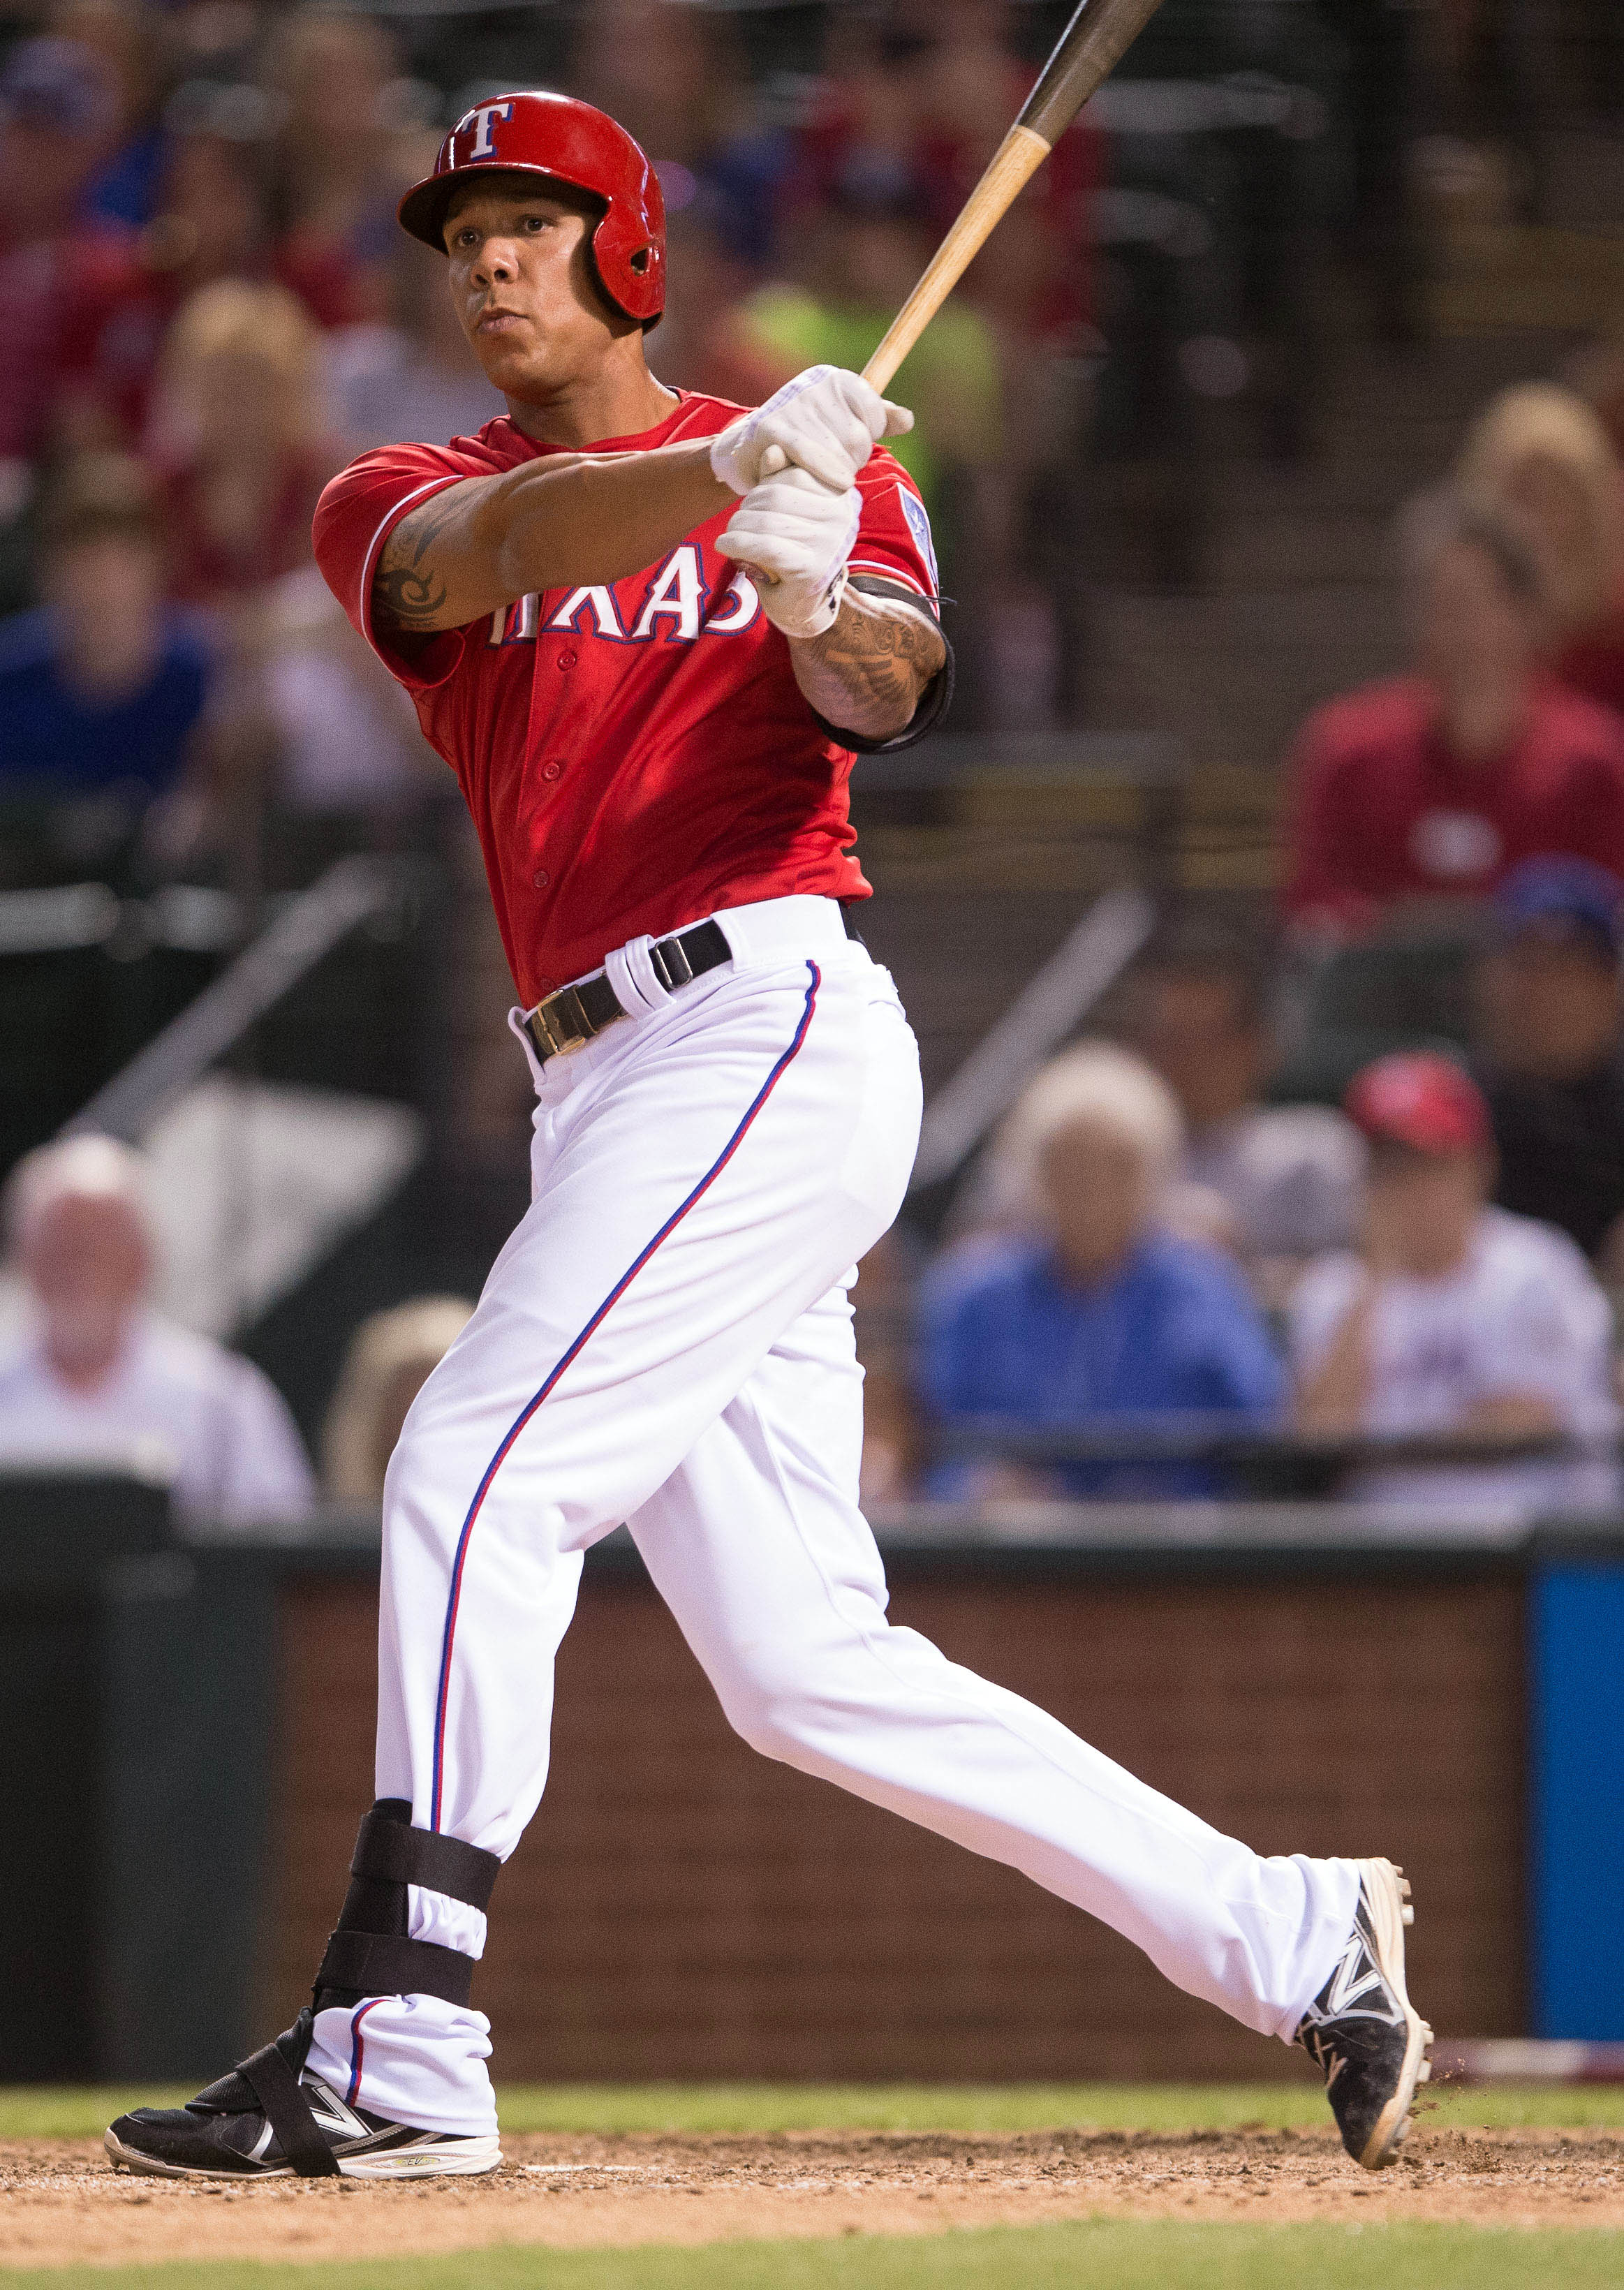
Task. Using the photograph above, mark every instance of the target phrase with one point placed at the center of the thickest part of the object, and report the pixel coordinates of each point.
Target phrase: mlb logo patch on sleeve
(919, 525)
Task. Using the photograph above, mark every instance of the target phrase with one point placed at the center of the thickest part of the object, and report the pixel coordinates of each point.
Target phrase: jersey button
(566, 659)
(540, 878)
(552, 771)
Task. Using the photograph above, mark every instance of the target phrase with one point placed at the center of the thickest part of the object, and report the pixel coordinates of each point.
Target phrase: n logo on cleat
(331, 2113)
(1357, 1975)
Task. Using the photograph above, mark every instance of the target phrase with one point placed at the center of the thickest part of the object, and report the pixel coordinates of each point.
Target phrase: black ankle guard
(369, 1953)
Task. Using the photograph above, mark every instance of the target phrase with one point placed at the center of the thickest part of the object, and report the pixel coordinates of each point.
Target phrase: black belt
(577, 1012)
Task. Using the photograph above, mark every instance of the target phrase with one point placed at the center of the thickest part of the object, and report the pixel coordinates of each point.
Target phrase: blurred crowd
(1435, 1261)
(206, 309)
(1152, 1250)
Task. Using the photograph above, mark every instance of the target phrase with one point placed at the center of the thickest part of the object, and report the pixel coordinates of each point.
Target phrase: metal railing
(1235, 1439)
(1049, 1007)
(303, 931)
(1245, 1455)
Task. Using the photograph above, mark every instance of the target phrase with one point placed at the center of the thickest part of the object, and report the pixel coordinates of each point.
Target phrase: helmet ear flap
(629, 246)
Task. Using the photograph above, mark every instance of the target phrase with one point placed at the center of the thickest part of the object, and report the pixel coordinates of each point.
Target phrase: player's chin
(514, 362)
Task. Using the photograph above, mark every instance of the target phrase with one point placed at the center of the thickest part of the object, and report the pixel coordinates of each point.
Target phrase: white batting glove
(826, 420)
(798, 535)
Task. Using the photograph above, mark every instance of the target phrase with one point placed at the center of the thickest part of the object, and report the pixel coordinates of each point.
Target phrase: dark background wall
(682, 1908)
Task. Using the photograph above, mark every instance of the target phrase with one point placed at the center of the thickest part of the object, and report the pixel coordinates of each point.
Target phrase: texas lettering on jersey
(638, 755)
(675, 605)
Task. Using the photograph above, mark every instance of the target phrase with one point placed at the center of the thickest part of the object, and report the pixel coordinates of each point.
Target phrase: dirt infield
(61, 2205)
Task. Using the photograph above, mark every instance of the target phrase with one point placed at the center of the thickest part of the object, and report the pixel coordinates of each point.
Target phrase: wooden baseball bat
(1085, 53)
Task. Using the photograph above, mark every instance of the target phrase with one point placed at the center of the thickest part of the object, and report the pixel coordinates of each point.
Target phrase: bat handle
(1012, 165)
(772, 460)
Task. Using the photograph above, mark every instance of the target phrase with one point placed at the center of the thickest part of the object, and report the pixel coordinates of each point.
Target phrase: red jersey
(636, 755)
(1382, 809)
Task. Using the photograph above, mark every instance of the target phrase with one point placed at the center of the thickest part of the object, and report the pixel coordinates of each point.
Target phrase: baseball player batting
(650, 668)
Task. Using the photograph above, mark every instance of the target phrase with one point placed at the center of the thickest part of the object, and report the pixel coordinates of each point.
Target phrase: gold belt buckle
(546, 1018)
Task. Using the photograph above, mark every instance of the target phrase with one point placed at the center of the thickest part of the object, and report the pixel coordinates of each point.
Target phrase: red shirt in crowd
(206, 566)
(341, 276)
(71, 334)
(1382, 810)
(637, 755)
(1593, 662)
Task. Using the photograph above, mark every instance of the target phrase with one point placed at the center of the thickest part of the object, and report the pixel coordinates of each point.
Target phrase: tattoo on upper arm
(407, 592)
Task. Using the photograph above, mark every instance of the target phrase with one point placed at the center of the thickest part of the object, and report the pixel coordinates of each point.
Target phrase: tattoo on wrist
(406, 591)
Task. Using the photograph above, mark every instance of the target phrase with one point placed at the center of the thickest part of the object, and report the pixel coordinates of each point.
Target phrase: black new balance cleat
(1362, 2032)
(272, 2116)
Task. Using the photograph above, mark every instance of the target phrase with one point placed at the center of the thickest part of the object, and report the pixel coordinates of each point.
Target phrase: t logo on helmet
(483, 146)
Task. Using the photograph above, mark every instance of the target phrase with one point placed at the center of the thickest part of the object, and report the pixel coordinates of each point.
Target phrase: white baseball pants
(666, 1339)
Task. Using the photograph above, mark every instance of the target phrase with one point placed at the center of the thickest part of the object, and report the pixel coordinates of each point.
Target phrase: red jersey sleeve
(893, 537)
(354, 518)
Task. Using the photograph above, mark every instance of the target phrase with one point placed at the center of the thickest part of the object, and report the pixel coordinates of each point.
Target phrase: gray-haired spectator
(100, 1379)
(1097, 1312)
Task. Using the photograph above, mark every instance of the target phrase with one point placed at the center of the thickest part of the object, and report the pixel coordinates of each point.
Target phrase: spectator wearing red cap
(1453, 1317)
(1433, 786)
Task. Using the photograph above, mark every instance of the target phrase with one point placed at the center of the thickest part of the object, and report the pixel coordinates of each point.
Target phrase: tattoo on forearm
(406, 591)
(879, 657)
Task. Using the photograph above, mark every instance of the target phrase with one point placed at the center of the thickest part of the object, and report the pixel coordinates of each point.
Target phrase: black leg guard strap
(390, 1852)
(382, 1964)
(369, 1953)
(275, 2085)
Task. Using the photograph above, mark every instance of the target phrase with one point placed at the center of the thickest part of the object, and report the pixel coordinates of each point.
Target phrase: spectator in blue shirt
(1096, 1313)
(102, 689)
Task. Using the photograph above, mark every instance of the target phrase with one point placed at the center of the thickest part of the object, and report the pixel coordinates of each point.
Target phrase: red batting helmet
(534, 133)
